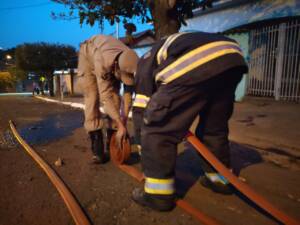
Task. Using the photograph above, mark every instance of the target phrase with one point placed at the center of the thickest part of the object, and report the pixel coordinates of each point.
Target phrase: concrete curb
(72, 104)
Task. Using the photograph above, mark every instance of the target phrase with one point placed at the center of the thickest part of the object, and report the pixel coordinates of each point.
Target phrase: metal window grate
(274, 61)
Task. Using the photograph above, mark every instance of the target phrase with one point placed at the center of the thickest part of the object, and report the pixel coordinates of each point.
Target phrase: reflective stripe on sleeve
(196, 58)
(141, 101)
(160, 186)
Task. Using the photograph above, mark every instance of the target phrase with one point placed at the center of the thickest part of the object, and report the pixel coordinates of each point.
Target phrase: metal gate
(274, 66)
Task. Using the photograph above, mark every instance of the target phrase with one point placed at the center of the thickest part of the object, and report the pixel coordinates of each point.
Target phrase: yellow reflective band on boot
(159, 186)
(196, 58)
(141, 101)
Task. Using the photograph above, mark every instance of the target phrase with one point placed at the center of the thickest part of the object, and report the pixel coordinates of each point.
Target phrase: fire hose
(119, 157)
(239, 185)
(71, 203)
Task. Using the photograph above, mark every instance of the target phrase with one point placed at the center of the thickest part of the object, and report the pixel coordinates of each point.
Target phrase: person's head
(126, 65)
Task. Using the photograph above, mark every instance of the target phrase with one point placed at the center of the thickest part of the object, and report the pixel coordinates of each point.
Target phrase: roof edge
(200, 12)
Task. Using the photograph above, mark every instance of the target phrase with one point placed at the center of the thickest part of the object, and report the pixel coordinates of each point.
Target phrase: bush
(6, 81)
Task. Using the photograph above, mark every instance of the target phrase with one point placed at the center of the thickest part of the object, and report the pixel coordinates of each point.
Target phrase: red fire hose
(119, 157)
(242, 187)
(71, 203)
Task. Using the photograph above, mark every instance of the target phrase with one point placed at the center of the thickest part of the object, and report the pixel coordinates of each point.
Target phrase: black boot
(162, 203)
(109, 133)
(97, 147)
(219, 185)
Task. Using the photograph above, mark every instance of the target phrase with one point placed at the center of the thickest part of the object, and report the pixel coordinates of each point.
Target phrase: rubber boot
(161, 203)
(97, 147)
(109, 133)
(219, 184)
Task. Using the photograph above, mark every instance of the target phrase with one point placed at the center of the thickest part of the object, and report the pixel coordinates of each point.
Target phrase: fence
(274, 68)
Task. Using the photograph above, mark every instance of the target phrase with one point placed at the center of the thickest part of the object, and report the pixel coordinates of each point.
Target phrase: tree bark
(50, 83)
(57, 84)
(164, 17)
(72, 81)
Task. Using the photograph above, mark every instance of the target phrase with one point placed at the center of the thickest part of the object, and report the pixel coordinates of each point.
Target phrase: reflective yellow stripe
(139, 96)
(159, 54)
(163, 51)
(141, 101)
(197, 63)
(159, 192)
(140, 105)
(159, 181)
(159, 186)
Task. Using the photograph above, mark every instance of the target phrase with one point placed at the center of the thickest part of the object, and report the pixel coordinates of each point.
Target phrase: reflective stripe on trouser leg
(216, 178)
(160, 186)
(159, 139)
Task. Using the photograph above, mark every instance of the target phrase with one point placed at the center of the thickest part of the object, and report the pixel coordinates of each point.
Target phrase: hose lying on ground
(242, 187)
(119, 157)
(71, 203)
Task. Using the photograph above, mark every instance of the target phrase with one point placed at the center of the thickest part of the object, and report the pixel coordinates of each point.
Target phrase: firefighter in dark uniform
(183, 76)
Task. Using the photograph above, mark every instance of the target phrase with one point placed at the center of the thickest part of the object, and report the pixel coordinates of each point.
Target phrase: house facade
(268, 32)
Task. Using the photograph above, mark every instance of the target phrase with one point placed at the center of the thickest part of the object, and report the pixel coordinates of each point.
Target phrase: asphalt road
(55, 131)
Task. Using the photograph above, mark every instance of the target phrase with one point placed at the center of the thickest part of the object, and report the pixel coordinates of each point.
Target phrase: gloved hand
(120, 135)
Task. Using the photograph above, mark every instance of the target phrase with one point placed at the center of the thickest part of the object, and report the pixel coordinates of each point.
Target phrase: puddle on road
(52, 127)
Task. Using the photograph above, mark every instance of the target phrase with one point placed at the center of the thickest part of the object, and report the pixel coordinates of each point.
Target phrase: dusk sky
(30, 21)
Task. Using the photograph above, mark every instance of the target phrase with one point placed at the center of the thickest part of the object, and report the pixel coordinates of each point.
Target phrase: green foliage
(6, 81)
(17, 74)
(44, 57)
(97, 10)
(90, 11)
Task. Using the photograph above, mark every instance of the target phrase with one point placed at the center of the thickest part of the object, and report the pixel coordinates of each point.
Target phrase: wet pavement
(99, 188)
(51, 128)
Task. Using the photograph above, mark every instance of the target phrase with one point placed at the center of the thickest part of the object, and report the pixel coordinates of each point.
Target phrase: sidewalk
(259, 122)
(267, 124)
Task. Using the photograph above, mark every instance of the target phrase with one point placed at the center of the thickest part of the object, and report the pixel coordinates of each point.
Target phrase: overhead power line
(26, 6)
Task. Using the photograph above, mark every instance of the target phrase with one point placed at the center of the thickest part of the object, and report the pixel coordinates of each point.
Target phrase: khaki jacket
(96, 58)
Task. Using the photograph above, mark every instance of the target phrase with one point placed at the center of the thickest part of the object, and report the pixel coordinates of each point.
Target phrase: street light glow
(8, 57)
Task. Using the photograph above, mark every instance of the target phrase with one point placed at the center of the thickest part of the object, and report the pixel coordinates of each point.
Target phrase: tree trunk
(72, 81)
(57, 84)
(50, 83)
(165, 18)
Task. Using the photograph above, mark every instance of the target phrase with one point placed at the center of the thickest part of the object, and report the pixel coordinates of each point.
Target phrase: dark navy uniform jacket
(184, 59)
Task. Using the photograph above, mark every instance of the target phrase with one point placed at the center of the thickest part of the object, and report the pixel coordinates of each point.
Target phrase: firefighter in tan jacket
(105, 63)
